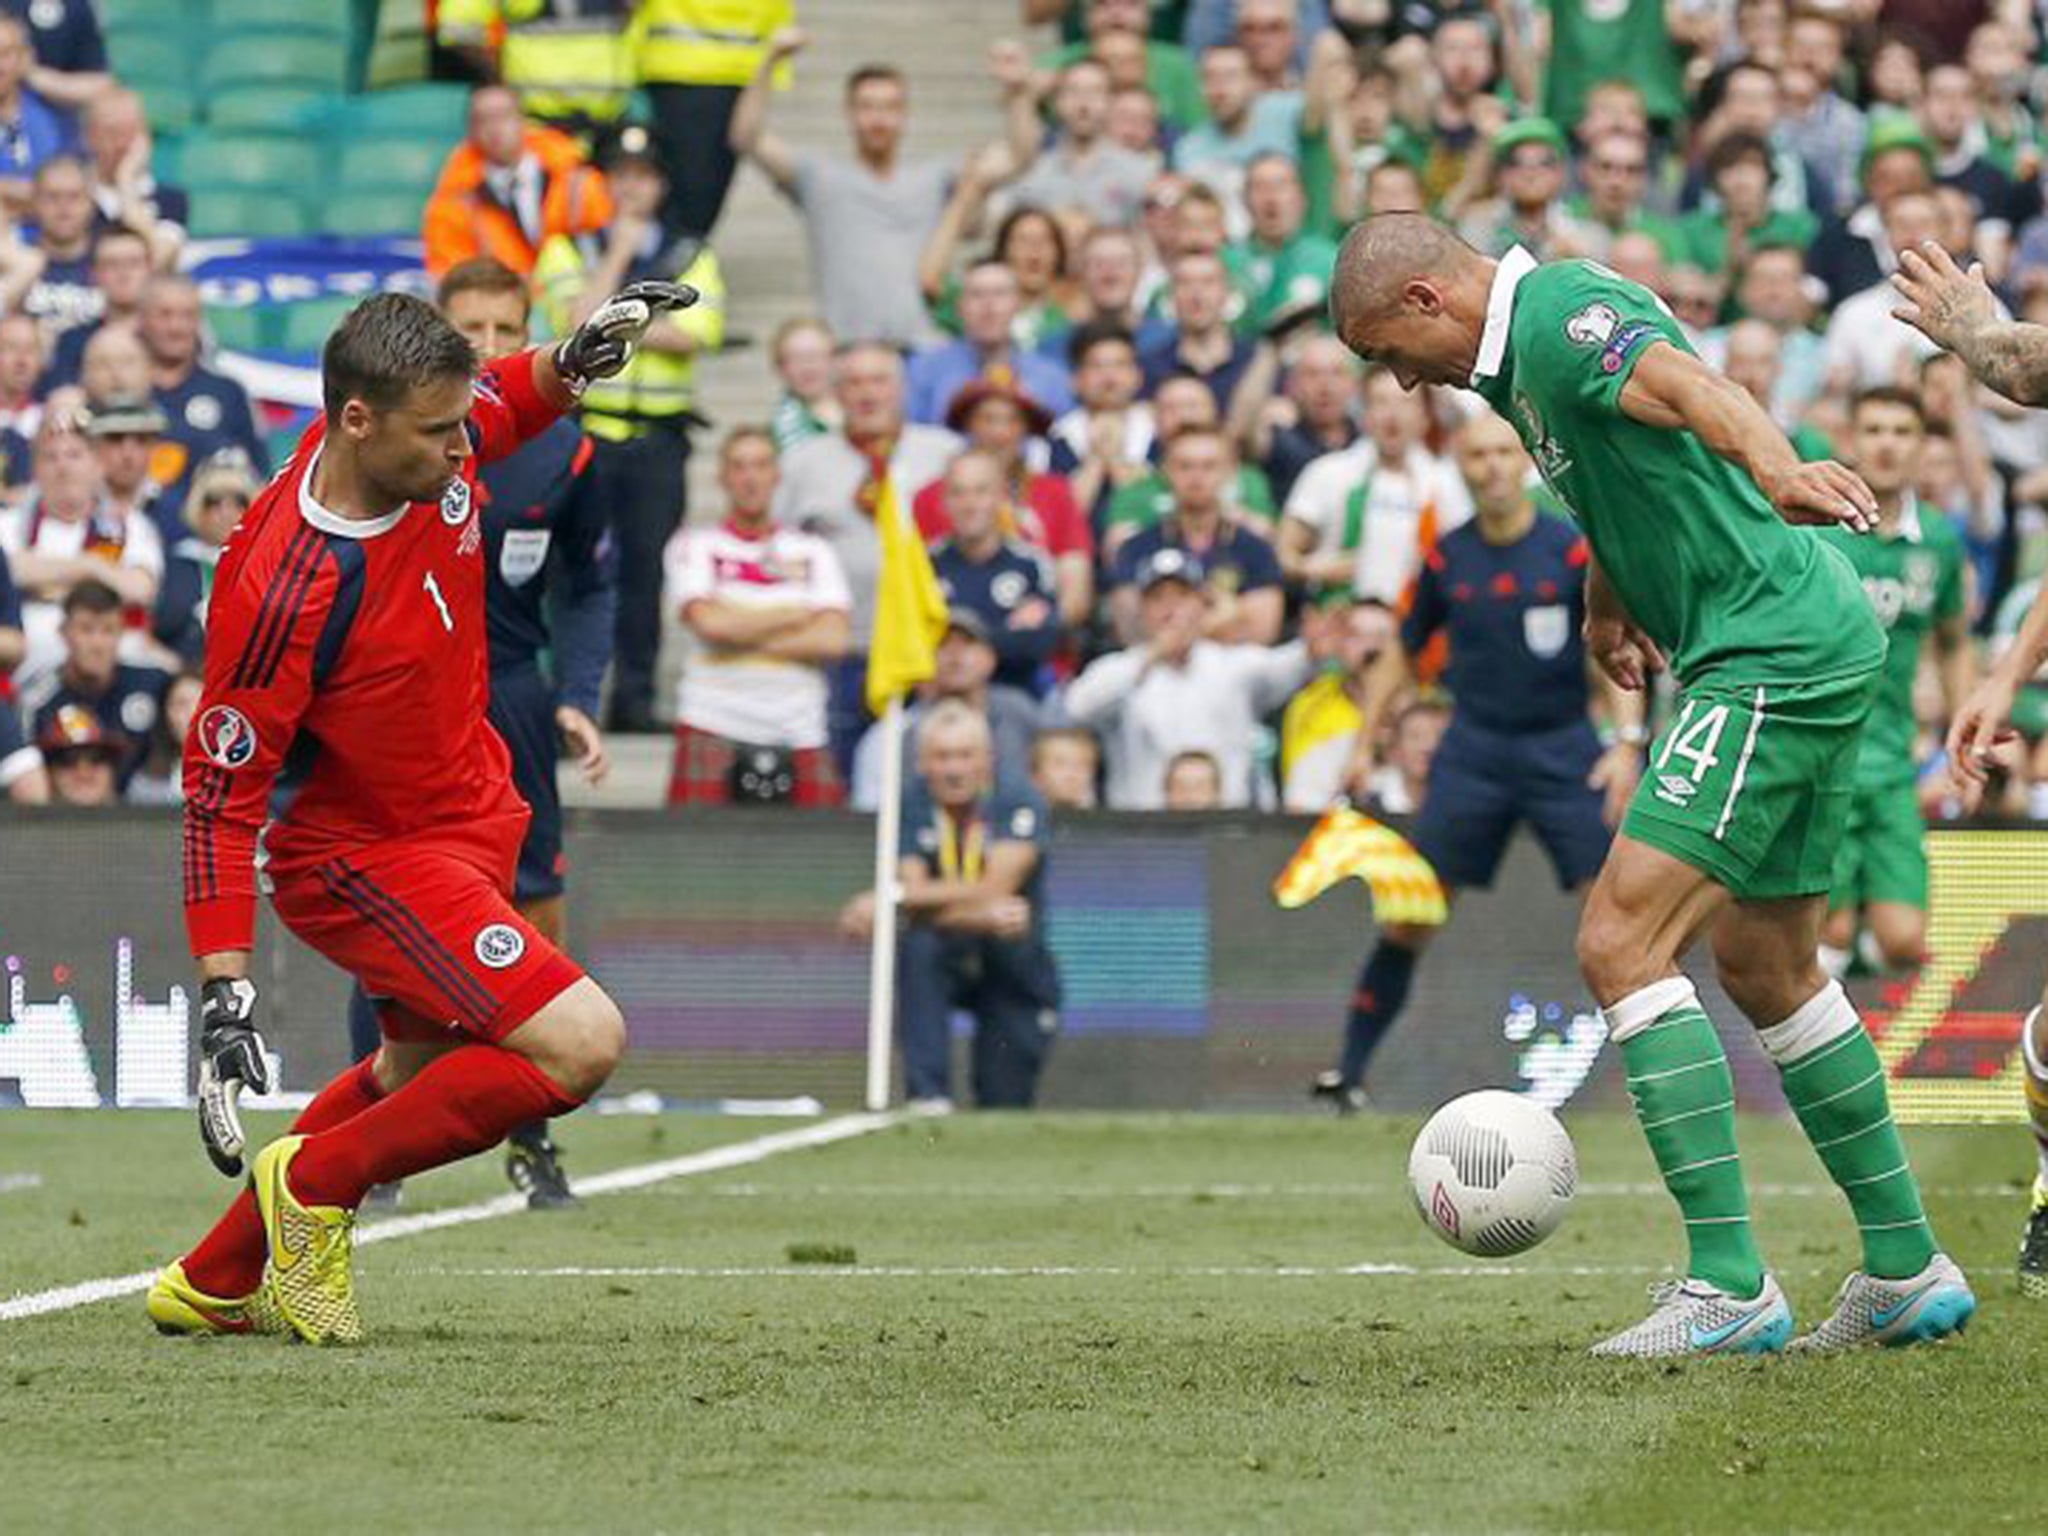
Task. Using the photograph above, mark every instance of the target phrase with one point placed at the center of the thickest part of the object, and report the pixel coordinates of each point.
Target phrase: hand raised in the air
(602, 345)
(1943, 302)
(1623, 652)
(1823, 492)
(1979, 729)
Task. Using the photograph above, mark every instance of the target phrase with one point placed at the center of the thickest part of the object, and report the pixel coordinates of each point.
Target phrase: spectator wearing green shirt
(1582, 43)
(1169, 72)
(1720, 234)
(1528, 206)
(1279, 266)
(1616, 169)
(806, 407)
(1168, 19)
(1182, 403)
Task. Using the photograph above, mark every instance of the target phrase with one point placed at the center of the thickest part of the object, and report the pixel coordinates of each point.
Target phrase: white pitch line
(1803, 1191)
(10, 1182)
(1034, 1271)
(738, 1154)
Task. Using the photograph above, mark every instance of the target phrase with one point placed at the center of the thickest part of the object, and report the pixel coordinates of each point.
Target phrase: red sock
(229, 1260)
(460, 1103)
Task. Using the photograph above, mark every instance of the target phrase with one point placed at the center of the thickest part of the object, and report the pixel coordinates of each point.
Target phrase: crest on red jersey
(455, 503)
(226, 736)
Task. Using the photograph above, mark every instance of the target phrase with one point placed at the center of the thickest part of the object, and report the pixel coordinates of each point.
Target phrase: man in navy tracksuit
(551, 587)
(1509, 590)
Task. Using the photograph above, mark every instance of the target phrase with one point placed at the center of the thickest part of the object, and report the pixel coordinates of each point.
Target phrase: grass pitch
(998, 1324)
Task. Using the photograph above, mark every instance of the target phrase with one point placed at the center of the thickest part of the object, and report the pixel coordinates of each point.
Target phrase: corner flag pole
(882, 953)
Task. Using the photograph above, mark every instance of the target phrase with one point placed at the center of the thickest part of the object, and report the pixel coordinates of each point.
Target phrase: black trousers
(1011, 988)
(692, 121)
(643, 480)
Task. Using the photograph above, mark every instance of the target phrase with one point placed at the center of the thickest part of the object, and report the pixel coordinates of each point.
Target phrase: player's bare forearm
(823, 636)
(1958, 312)
(2029, 648)
(2010, 356)
(224, 964)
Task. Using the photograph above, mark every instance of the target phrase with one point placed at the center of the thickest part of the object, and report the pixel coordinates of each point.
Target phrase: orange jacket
(463, 219)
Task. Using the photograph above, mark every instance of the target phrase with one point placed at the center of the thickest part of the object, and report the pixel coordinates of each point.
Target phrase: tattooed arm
(1958, 312)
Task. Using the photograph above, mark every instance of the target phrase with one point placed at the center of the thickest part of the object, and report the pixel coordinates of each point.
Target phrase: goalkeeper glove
(231, 1058)
(602, 345)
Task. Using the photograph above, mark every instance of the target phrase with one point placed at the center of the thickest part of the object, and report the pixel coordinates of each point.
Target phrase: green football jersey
(1914, 578)
(1596, 40)
(1729, 590)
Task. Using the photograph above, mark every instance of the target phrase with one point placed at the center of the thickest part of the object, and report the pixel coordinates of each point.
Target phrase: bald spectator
(509, 188)
(125, 190)
(1082, 169)
(118, 269)
(31, 128)
(1639, 257)
(204, 411)
(115, 364)
(832, 487)
(1174, 690)
(1241, 574)
(49, 276)
(989, 301)
(1202, 344)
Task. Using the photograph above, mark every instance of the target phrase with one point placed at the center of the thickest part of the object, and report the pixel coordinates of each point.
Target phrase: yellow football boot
(177, 1306)
(308, 1280)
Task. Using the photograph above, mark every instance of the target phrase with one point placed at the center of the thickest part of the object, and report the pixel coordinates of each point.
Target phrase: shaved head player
(1687, 491)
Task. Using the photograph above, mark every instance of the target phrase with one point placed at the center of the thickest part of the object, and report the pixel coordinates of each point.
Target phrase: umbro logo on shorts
(500, 945)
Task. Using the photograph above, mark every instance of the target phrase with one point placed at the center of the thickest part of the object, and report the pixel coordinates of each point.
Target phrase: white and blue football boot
(1928, 1306)
(1691, 1317)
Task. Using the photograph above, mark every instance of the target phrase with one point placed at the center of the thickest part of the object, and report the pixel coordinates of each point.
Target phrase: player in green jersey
(1958, 311)
(1913, 568)
(1687, 493)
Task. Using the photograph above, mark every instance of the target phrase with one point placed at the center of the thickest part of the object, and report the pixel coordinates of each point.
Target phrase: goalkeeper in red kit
(346, 681)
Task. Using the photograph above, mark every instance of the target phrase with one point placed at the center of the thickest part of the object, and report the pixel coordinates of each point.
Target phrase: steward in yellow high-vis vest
(639, 420)
(695, 56)
(571, 61)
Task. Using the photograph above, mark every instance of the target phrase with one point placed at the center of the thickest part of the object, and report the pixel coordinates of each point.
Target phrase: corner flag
(910, 610)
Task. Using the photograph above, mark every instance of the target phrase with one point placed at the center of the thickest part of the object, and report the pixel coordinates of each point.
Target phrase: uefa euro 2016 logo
(226, 736)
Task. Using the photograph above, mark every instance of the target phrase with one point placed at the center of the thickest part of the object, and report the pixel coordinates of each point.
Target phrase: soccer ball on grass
(1493, 1173)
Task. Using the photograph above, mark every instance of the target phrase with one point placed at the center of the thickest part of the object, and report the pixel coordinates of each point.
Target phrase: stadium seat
(306, 325)
(391, 162)
(275, 58)
(120, 17)
(155, 52)
(330, 20)
(259, 213)
(248, 160)
(171, 105)
(243, 327)
(276, 108)
(374, 212)
(432, 111)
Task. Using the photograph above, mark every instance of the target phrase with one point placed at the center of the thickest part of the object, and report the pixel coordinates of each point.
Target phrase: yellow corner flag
(1346, 844)
(910, 610)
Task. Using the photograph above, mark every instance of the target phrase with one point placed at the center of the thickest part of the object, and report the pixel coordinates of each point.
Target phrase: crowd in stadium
(1176, 521)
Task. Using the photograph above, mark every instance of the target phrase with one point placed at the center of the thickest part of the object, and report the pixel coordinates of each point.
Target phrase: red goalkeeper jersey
(346, 660)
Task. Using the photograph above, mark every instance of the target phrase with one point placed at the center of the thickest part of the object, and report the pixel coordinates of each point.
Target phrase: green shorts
(1751, 784)
(1883, 853)
(2030, 712)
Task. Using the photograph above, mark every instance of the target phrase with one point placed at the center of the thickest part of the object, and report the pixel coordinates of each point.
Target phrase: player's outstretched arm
(1671, 388)
(1957, 311)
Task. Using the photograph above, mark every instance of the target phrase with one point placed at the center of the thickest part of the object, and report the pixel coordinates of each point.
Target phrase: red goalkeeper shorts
(428, 924)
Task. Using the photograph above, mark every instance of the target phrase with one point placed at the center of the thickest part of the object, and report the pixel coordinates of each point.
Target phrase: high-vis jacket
(707, 42)
(569, 60)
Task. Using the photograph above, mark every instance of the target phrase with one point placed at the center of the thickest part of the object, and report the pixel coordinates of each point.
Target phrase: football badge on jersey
(1592, 326)
(226, 736)
(455, 503)
(523, 553)
(499, 945)
(1546, 630)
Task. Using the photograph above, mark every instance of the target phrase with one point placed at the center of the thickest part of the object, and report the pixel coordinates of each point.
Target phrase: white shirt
(1148, 713)
(750, 697)
(1866, 341)
(41, 620)
(1424, 496)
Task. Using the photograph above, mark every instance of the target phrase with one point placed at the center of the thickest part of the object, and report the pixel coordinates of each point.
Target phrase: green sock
(1685, 1098)
(1836, 1086)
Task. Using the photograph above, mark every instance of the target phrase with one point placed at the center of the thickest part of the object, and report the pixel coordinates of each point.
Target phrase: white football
(1493, 1173)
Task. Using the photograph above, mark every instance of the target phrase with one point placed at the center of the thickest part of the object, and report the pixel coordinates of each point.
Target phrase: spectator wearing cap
(639, 419)
(204, 411)
(1720, 235)
(223, 489)
(1243, 123)
(802, 353)
(986, 350)
(508, 188)
(32, 129)
(83, 758)
(1066, 760)
(1120, 34)
(768, 608)
(1004, 583)
(1866, 344)
(124, 435)
(1145, 501)
(124, 698)
(971, 877)
(119, 270)
(1105, 442)
(1359, 520)
(125, 191)
(1279, 267)
(1315, 415)
(1854, 253)
(1037, 508)
(963, 672)
(66, 533)
(832, 486)
(1242, 577)
(49, 275)
(1082, 169)
(1202, 344)
(1173, 690)
(1527, 208)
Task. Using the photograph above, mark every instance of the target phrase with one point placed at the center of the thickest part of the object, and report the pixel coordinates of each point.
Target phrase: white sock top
(1821, 1020)
(1644, 1006)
